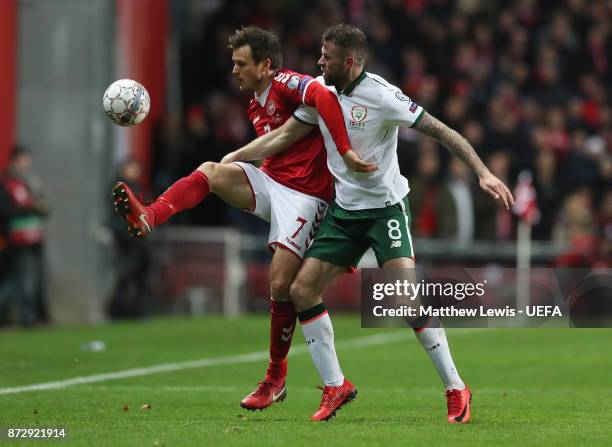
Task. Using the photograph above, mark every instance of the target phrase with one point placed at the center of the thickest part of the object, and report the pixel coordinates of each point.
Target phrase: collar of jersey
(347, 91)
(261, 99)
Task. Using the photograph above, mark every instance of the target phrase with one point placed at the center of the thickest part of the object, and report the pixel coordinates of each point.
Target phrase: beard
(336, 79)
(333, 79)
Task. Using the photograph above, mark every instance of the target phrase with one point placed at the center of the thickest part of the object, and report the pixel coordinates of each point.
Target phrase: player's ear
(267, 64)
(349, 62)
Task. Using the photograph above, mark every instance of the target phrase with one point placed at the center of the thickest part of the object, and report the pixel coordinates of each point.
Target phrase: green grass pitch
(535, 387)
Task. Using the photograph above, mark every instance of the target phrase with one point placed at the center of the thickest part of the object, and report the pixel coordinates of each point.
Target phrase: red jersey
(25, 223)
(302, 166)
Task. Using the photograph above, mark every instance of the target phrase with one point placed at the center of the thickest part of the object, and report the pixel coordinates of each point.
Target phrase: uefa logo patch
(399, 95)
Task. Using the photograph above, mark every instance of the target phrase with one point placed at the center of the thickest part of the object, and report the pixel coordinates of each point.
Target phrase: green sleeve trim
(347, 91)
(305, 122)
(416, 121)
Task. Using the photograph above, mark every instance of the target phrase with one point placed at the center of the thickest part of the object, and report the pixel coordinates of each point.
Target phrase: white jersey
(373, 110)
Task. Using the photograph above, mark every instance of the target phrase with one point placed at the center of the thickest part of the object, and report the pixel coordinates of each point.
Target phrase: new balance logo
(431, 348)
(396, 244)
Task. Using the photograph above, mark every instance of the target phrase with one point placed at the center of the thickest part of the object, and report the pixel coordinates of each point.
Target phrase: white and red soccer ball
(126, 102)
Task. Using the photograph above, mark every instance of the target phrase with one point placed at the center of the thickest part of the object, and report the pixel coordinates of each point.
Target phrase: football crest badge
(271, 108)
(358, 116)
(358, 113)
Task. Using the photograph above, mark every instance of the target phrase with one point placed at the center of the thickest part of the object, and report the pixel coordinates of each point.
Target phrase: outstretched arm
(461, 148)
(281, 138)
(271, 143)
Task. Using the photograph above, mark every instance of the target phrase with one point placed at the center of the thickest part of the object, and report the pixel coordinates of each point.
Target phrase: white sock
(435, 344)
(319, 335)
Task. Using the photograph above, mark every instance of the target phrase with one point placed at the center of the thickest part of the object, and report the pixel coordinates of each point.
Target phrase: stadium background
(526, 82)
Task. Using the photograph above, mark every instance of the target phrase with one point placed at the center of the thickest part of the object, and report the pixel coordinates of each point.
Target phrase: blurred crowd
(23, 209)
(527, 82)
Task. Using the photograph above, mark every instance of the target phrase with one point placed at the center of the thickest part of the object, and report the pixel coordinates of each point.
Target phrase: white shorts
(294, 216)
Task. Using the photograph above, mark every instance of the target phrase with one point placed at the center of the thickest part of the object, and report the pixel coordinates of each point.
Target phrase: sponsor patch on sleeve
(302, 84)
(293, 82)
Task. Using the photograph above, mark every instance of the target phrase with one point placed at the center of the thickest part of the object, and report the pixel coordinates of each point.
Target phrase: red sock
(282, 325)
(185, 193)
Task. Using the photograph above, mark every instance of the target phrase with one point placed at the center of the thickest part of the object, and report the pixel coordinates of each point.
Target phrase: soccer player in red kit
(291, 190)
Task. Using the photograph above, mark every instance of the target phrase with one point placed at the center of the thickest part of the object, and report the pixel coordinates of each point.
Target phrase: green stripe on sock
(309, 314)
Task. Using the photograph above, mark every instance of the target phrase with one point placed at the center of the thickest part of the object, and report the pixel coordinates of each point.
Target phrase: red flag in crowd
(525, 203)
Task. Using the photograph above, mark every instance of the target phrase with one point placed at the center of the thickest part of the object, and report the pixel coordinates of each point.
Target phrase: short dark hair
(18, 151)
(264, 44)
(350, 38)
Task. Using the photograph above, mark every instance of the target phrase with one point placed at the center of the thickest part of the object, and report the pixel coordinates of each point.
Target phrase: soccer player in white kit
(370, 209)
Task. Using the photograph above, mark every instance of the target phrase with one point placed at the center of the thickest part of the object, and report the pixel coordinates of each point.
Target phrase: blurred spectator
(5, 262)
(555, 131)
(456, 204)
(441, 208)
(167, 152)
(547, 193)
(577, 224)
(424, 190)
(132, 258)
(503, 131)
(24, 209)
(474, 133)
(493, 221)
(603, 254)
(579, 168)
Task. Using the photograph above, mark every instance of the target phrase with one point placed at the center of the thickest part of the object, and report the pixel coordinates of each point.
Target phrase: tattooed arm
(452, 141)
(462, 149)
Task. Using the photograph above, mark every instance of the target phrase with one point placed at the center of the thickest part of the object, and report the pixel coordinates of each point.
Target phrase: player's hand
(356, 164)
(231, 157)
(496, 188)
